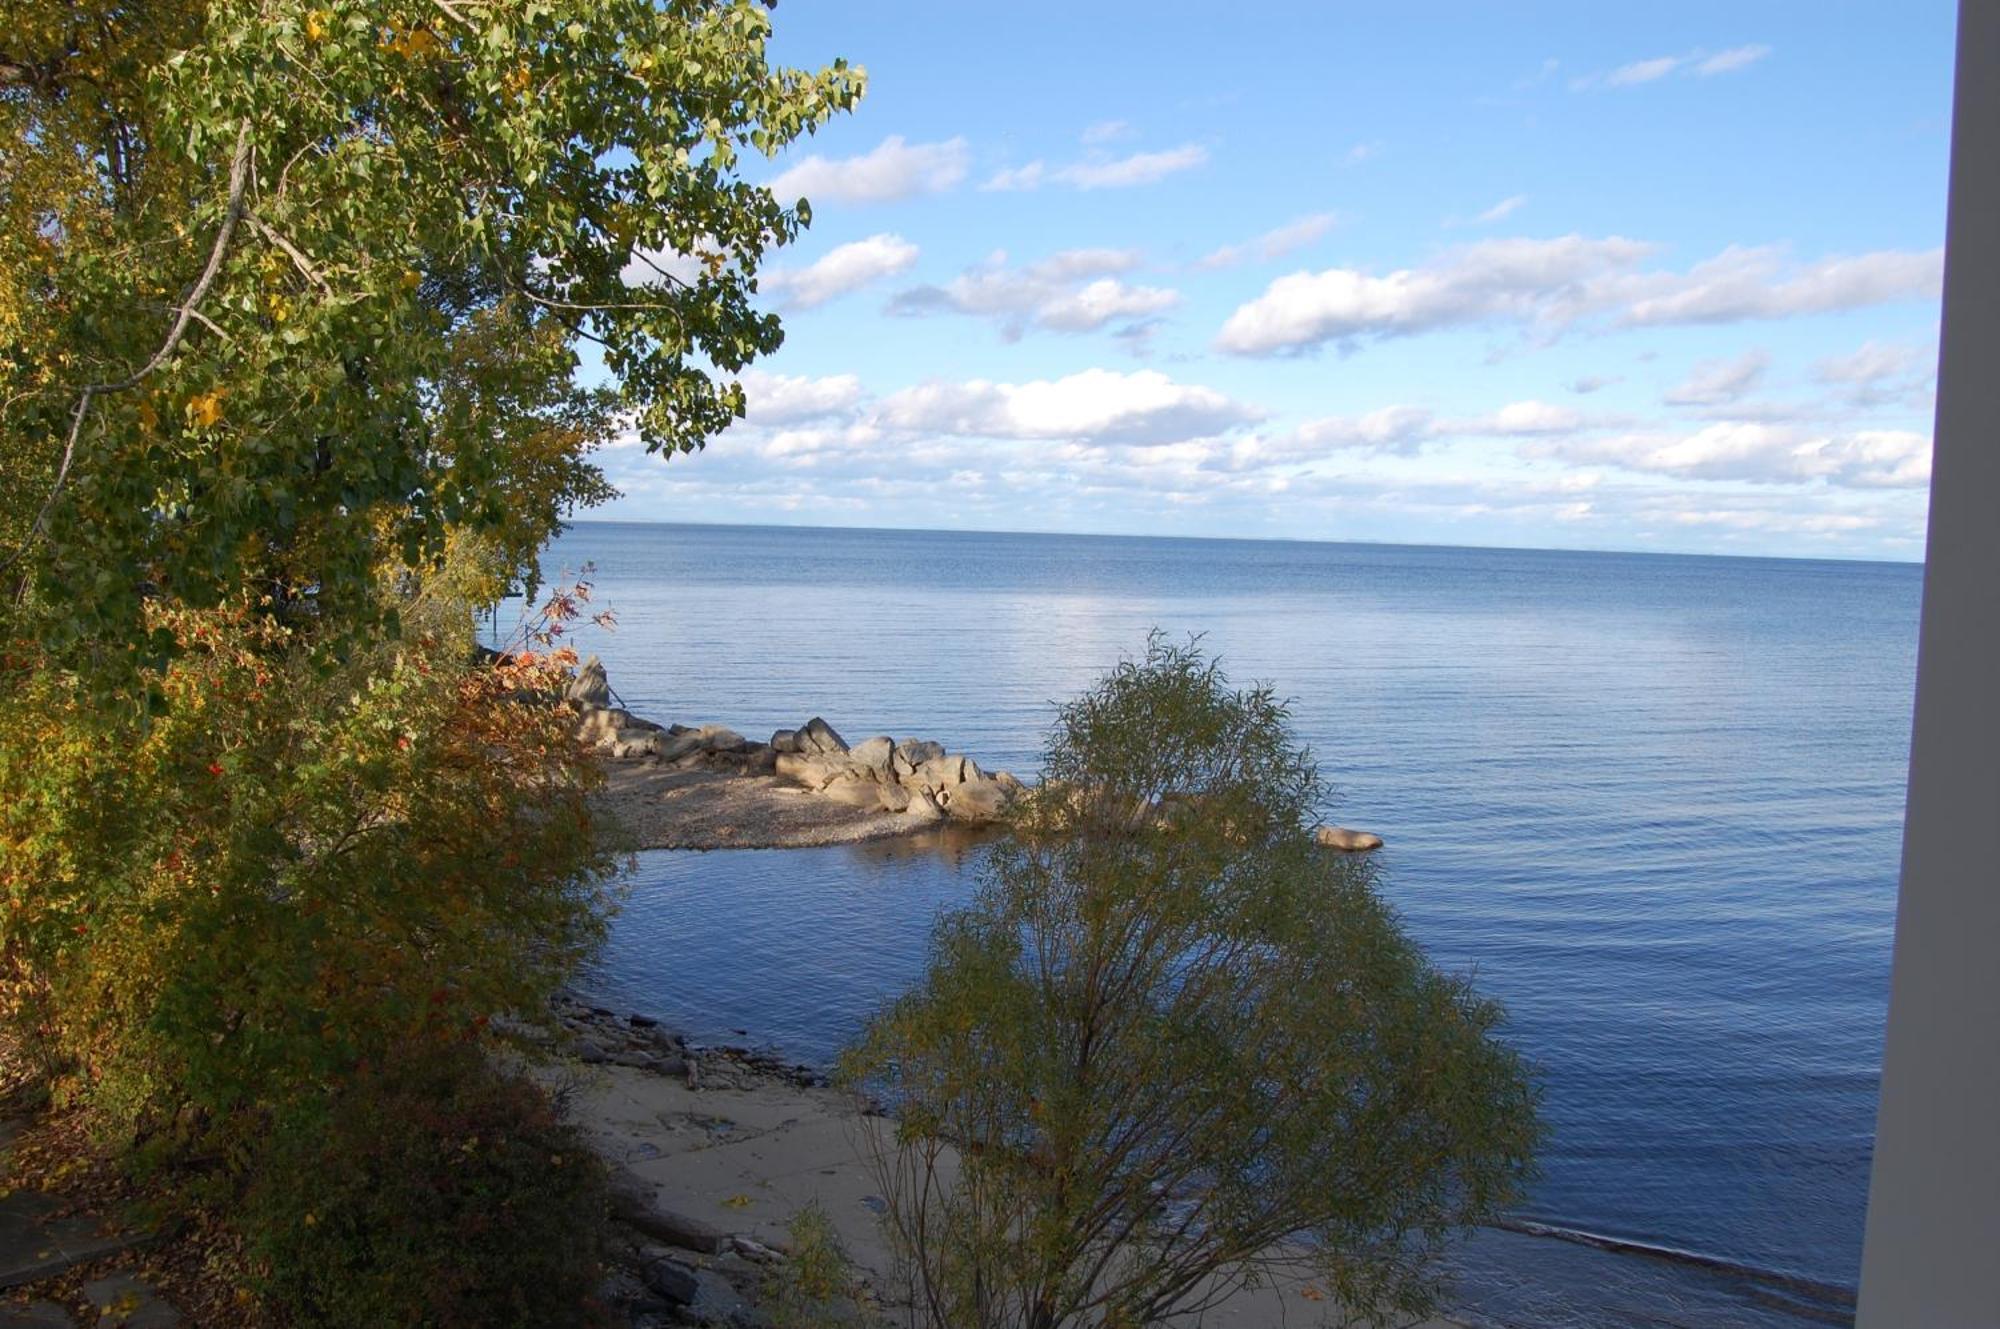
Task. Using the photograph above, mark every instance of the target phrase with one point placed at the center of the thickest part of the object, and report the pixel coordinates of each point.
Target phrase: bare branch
(299, 260)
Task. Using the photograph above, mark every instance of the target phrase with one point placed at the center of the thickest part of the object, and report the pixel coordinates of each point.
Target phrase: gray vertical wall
(1932, 1258)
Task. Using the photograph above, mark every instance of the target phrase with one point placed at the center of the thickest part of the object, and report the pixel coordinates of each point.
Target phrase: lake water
(1654, 804)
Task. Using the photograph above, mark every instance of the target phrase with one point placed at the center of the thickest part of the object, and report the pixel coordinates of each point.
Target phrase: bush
(1174, 1046)
(435, 1192)
(231, 899)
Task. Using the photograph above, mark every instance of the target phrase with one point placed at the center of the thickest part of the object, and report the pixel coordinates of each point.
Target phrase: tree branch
(239, 174)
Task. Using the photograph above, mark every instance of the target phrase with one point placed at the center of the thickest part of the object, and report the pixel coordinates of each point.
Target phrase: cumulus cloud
(1272, 244)
(1760, 452)
(783, 399)
(1527, 280)
(1073, 290)
(1096, 406)
(1138, 168)
(893, 170)
(844, 268)
(1718, 382)
(1694, 64)
(1550, 284)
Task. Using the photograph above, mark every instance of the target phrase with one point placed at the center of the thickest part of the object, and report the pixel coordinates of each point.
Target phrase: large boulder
(877, 752)
(893, 797)
(923, 806)
(721, 738)
(978, 800)
(817, 772)
(855, 791)
(785, 740)
(591, 686)
(1346, 841)
(816, 735)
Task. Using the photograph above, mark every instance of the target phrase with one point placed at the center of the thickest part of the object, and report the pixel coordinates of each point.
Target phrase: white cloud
(845, 268)
(1529, 280)
(1731, 60)
(1097, 172)
(1718, 382)
(1016, 178)
(1073, 290)
(1096, 406)
(1107, 131)
(1749, 283)
(780, 399)
(1766, 453)
(1102, 301)
(1550, 284)
(1141, 168)
(1872, 363)
(1361, 152)
(895, 169)
(1502, 210)
(1272, 244)
(1697, 63)
(1590, 383)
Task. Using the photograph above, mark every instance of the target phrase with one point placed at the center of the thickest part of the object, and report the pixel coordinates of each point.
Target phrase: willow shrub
(1175, 1047)
(223, 909)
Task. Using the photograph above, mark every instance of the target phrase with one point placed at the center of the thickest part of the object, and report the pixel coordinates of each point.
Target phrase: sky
(1648, 277)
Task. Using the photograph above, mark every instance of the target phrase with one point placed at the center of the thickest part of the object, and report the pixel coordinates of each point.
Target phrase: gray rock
(590, 687)
(893, 797)
(1346, 841)
(941, 772)
(816, 735)
(785, 740)
(673, 1281)
(721, 738)
(978, 800)
(917, 751)
(877, 752)
(589, 1053)
(923, 806)
(856, 792)
(1007, 780)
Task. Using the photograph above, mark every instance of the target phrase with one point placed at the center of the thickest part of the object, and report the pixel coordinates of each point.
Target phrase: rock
(940, 772)
(978, 800)
(762, 761)
(673, 1280)
(589, 1053)
(877, 752)
(785, 740)
(721, 738)
(923, 806)
(818, 771)
(630, 749)
(893, 797)
(1006, 779)
(856, 792)
(816, 735)
(632, 1203)
(590, 687)
(917, 751)
(1346, 841)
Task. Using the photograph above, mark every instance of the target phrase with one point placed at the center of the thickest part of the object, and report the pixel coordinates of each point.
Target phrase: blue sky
(1568, 275)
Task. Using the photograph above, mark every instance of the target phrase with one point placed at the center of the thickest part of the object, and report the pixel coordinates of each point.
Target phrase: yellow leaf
(738, 1202)
(205, 409)
(315, 26)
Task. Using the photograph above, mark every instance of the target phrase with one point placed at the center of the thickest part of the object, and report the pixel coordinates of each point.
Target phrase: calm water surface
(1653, 802)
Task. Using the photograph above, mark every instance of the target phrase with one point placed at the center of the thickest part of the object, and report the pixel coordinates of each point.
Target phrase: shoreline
(713, 1151)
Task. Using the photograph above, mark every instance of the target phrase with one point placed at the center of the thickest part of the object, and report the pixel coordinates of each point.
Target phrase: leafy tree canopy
(289, 288)
(1174, 1046)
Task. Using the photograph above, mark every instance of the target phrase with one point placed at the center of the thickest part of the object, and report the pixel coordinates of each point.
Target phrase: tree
(289, 287)
(1174, 1046)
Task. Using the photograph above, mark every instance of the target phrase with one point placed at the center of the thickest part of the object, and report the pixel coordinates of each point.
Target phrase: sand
(656, 806)
(749, 1150)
